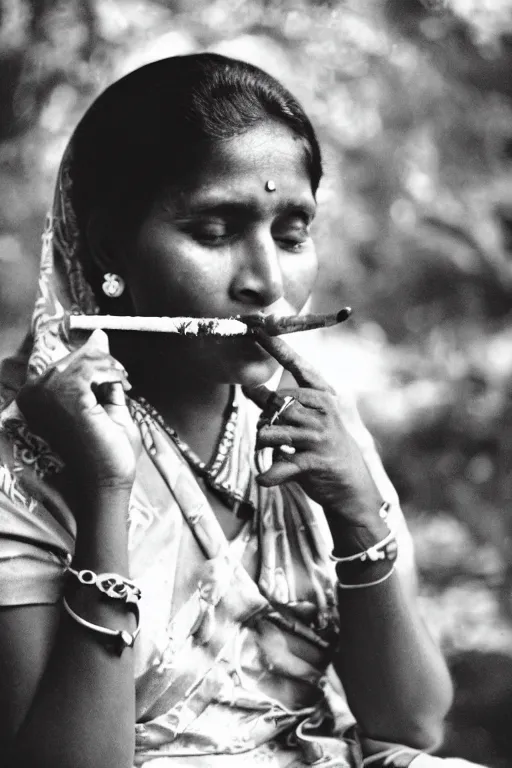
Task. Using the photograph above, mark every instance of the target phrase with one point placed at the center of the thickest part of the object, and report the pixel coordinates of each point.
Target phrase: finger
(96, 347)
(86, 367)
(115, 405)
(295, 413)
(298, 417)
(259, 395)
(285, 435)
(111, 394)
(302, 371)
(88, 392)
(99, 340)
(108, 388)
(280, 472)
(308, 400)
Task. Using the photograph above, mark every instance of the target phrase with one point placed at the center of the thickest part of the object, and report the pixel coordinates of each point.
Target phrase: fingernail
(99, 335)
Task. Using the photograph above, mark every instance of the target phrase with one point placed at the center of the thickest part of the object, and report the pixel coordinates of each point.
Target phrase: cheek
(300, 275)
(166, 277)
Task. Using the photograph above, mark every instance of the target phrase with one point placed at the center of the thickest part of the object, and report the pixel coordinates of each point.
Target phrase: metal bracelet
(383, 550)
(110, 584)
(122, 638)
(368, 583)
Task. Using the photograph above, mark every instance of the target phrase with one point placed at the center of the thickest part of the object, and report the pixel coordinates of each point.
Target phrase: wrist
(102, 535)
(90, 470)
(361, 559)
(349, 539)
(373, 565)
(354, 534)
(370, 578)
(355, 507)
(99, 499)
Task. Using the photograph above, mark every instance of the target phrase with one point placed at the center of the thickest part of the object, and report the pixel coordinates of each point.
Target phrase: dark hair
(149, 128)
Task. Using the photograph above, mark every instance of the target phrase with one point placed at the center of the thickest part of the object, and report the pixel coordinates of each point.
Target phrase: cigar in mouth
(241, 325)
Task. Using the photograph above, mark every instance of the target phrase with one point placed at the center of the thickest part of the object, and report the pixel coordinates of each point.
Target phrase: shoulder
(37, 530)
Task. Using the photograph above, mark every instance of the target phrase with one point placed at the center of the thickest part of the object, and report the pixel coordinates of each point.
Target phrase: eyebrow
(225, 204)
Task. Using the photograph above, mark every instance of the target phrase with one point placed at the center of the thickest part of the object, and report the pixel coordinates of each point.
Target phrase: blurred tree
(44, 43)
(412, 100)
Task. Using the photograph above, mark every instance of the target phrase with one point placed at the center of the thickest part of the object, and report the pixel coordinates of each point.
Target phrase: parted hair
(151, 128)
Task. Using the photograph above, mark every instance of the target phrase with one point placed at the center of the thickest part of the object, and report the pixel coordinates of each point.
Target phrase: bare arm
(67, 700)
(394, 676)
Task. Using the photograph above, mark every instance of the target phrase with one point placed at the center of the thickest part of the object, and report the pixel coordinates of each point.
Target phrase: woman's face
(224, 245)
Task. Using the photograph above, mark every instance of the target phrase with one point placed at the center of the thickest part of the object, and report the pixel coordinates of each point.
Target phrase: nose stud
(270, 185)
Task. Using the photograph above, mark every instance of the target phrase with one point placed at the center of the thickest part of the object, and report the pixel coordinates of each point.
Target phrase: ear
(103, 243)
(108, 254)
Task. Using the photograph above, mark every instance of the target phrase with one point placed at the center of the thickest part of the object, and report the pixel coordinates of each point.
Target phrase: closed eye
(292, 233)
(210, 230)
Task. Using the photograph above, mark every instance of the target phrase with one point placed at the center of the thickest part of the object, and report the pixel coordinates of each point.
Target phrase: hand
(78, 406)
(327, 462)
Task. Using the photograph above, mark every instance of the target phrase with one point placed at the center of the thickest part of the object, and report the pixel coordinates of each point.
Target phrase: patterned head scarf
(62, 285)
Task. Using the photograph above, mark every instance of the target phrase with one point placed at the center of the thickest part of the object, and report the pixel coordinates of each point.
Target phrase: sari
(230, 667)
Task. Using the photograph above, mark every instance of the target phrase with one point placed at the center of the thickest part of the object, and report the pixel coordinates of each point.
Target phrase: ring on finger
(287, 402)
(288, 450)
(274, 404)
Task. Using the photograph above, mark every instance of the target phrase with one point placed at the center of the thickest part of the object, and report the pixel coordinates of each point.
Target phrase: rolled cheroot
(241, 325)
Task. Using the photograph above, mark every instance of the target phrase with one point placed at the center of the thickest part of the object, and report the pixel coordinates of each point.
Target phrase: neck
(193, 406)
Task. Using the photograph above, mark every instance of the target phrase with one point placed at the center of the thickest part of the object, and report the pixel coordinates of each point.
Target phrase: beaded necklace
(239, 501)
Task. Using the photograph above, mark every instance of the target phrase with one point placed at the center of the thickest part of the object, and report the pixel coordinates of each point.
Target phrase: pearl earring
(113, 285)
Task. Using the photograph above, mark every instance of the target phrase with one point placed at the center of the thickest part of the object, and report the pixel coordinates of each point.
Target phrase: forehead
(242, 165)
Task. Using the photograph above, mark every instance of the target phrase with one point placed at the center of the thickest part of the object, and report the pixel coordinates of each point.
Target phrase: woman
(188, 189)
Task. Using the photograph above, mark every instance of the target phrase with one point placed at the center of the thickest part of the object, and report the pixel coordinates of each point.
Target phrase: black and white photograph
(255, 383)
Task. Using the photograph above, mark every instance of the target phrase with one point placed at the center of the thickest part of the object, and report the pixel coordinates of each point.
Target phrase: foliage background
(413, 103)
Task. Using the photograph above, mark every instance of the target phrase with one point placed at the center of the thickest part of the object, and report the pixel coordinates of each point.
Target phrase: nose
(258, 280)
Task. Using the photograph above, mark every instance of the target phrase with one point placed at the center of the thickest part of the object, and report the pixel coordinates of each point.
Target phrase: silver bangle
(383, 550)
(110, 584)
(379, 551)
(368, 583)
(384, 511)
(121, 637)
